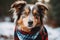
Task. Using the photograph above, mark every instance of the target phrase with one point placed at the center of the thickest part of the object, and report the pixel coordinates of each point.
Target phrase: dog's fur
(28, 19)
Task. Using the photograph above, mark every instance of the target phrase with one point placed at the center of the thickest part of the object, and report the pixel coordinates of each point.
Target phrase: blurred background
(51, 19)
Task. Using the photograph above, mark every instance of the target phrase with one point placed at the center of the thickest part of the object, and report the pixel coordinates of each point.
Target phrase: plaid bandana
(27, 36)
(37, 36)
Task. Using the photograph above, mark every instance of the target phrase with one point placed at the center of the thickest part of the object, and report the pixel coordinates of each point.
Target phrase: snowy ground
(53, 33)
(6, 30)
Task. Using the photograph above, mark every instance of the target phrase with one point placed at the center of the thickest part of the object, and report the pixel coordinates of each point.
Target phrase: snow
(53, 33)
(7, 28)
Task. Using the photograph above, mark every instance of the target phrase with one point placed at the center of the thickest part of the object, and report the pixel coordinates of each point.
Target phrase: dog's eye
(25, 13)
(23, 16)
(36, 17)
(36, 14)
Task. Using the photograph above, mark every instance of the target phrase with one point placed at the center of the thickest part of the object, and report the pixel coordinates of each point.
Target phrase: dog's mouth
(34, 28)
(33, 31)
(30, 25)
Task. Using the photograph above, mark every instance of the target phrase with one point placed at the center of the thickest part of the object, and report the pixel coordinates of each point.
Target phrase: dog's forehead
(31, 6)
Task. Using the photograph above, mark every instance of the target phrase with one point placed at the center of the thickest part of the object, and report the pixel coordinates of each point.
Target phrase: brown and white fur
(28, 17)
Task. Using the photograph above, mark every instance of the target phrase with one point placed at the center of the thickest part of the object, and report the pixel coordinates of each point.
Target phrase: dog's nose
(30, 22)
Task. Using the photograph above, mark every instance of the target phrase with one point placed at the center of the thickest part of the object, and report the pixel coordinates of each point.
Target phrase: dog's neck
(27, 36)
(34, 30)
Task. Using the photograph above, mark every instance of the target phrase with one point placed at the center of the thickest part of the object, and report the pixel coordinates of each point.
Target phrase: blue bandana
(27, 36)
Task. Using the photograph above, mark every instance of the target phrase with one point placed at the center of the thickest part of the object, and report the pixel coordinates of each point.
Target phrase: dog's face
(29, 16)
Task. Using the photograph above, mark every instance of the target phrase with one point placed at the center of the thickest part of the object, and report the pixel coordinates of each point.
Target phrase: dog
(29, 21)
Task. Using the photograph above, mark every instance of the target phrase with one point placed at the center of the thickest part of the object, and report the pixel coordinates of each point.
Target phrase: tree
(54, 12)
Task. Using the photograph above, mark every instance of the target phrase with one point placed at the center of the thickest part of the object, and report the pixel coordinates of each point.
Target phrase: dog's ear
(18, 5)
(42, 6)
